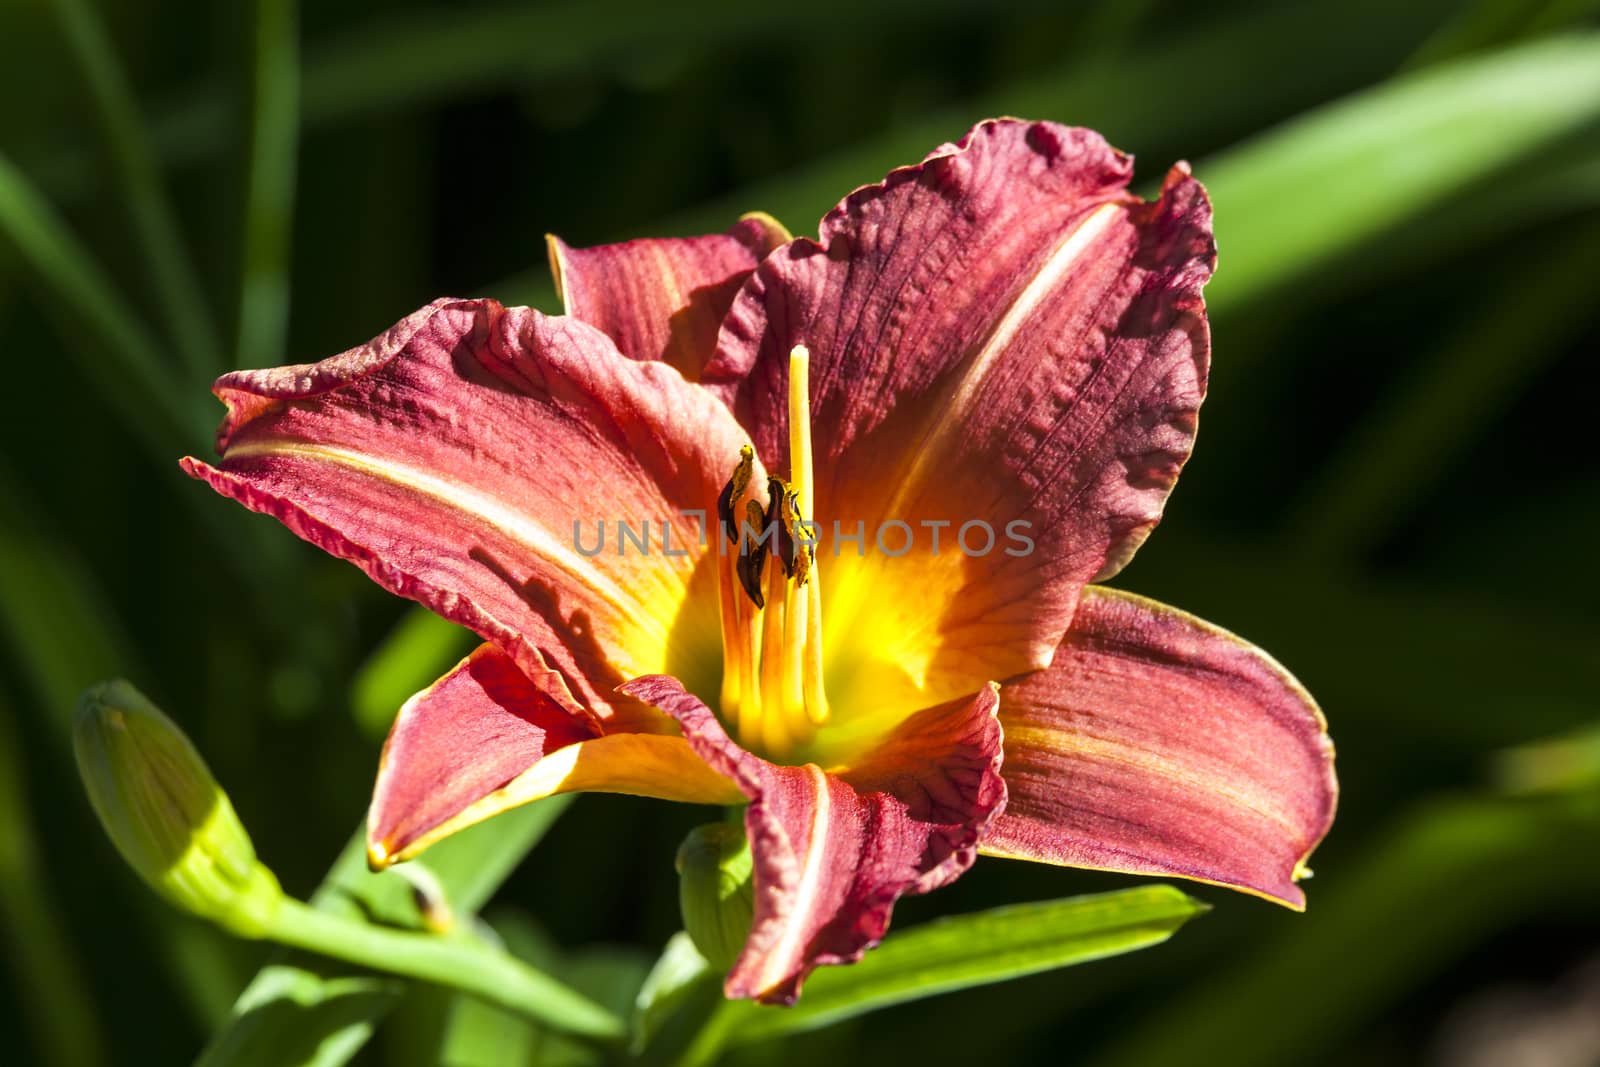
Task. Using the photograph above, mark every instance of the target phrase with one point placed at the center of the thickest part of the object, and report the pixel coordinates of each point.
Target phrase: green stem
(455, 962)
(175, 281)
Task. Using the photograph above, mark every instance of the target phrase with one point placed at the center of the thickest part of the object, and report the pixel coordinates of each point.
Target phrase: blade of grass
(1486, 23)
(56, 624)
(177, 286)
(609, 974)
(419, 57)
(44, 962)
(270, 184)
(130, 372)
(1563, 184)
(54, 620)
(1319, 190)
(422, 57)
(479, 1035)
(1130, 101)
(680, 973)
(435, 1027)
(1570, 763)
(1382, 472)
(1297, 198)
(123, 362)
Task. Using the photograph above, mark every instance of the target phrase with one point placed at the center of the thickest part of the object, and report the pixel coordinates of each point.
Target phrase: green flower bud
(166, 814)
(714, 892)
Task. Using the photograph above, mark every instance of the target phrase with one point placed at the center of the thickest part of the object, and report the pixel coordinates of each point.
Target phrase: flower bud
(714, 891)
(166, 814)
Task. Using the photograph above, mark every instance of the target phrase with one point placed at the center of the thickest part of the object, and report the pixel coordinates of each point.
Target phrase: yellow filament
(775, 718)
(746, 710)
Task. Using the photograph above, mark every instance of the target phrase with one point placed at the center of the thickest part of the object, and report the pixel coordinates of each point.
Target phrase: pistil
(802, 484)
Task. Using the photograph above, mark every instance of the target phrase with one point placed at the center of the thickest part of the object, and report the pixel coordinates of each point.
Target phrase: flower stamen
(772, 692)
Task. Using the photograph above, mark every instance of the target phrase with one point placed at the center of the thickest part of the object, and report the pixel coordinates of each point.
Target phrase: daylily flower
(1000, 338)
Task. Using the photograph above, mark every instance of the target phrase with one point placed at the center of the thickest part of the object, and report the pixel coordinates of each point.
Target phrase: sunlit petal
(473, 458)
(1159, 744)
(663, 298)
(484, 739)
(1000, 334)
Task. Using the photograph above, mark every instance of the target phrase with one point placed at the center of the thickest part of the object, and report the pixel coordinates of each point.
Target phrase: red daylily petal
(1159, 744)
(1001, 333)
(460, 739)
(663, 298)
(484, 739)
(833, 852)
(455, 458)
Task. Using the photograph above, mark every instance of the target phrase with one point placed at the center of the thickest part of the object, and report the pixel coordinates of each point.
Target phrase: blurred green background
(1394, 493)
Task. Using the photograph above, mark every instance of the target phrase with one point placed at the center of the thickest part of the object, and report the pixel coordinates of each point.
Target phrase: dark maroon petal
(663, 298)
(1001, 333)
(1159, 744)
(833, 855)
(458, 458)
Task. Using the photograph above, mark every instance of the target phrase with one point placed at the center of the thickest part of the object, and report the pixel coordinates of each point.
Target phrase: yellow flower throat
(772, 693)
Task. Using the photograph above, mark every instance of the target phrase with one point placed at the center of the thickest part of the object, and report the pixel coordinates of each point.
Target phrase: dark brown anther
(754, 542)
(802, 556)
(784, 515)
(779, 510)
(731, 493)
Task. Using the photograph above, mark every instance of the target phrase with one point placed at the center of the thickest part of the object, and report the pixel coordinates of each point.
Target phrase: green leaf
(481, 1035)
(77, 641)
(1329, 182)
(677, 974)
(1554, 765)
(302, 1008)
(409, 58)
(1482, 24)
(969, 950)
(123, 363)
(453, 1032)
(126, 367)
(1565, 183)
(60, 651)
(1286, 56)
(176, 284)
(45, 968)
